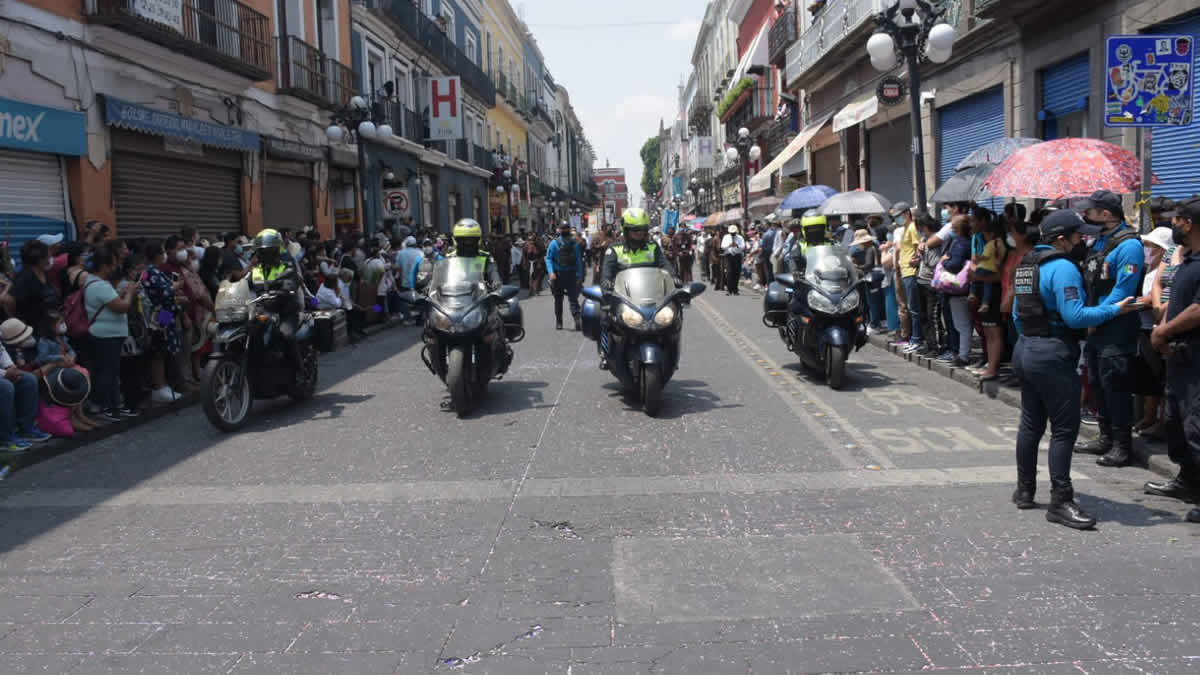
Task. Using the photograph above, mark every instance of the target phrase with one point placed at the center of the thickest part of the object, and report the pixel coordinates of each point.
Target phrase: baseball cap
(898, 208)
(1063, 222)
(50, 239)
(1188, 208)
(1100, 199)
(1160, 204)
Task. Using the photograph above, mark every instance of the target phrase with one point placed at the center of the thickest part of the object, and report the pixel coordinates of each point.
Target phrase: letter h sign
(445, 105)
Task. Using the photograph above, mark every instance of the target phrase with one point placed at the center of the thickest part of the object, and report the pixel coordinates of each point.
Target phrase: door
(889, 160)
(826, 167)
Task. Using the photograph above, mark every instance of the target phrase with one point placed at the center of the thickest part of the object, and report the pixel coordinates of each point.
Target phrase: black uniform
(1183, 379)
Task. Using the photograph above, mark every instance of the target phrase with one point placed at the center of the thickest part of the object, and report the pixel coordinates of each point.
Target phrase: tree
(651, 171)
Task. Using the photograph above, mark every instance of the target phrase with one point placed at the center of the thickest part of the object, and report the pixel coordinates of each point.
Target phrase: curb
(59, 446)
(1159, 463)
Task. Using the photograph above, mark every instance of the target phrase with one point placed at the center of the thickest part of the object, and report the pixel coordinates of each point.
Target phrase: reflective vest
(1037, 320)
(642, 257)
(256, 274)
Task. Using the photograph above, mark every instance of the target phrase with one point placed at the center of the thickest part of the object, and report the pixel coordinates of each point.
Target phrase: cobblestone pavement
(763, 524)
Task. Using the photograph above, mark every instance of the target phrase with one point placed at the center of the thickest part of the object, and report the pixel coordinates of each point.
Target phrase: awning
(859, 111)
(762, 180)
(714, 218)
(756, 55)
(764, 205)
(135, 117)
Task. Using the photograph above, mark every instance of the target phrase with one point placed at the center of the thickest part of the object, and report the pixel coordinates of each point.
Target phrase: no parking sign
(395, 202)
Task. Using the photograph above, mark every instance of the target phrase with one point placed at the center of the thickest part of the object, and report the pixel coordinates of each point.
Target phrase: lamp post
(697, 194)
(912, 29)
(746, 150)
(357, 119)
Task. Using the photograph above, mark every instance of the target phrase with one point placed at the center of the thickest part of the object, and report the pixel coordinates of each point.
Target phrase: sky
(621, 62)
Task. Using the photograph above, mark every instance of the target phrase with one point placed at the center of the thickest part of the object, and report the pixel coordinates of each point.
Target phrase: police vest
(1097, 277)
(1037, 320)
(566, 255)
(642, 257)
(257, 276)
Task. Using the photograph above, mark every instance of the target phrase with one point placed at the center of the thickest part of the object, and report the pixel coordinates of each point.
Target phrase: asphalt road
(763, 524)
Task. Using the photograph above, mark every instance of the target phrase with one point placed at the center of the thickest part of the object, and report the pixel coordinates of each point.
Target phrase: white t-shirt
(517, 257)
(731, 241)
(327, 298)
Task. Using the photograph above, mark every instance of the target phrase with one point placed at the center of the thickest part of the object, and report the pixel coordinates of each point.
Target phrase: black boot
(1064, 511)
(1098, 446)
(578, 323)
(1178, 487)
(1023, 496)
(1121, 454)
(558, 323)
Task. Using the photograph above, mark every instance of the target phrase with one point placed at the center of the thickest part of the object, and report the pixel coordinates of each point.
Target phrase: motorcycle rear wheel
(227, 407)
(458, 381)
(307, 386)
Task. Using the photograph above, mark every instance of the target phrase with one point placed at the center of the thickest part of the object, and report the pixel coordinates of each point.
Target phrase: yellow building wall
(500, 118)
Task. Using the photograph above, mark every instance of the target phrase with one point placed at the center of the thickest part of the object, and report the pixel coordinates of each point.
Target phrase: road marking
(762, 364)
(499, 490)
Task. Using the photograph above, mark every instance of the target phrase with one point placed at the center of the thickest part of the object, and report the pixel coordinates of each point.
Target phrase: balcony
(754, 107)
(341, 83)
(302, 71)
(700, 115)
(842, 26)
(224, 33)
(406, 123)
(428, 34)
(783, 33)
(481, 158)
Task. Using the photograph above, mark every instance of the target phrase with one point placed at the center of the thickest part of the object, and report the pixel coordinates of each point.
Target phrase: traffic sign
(1149, 81)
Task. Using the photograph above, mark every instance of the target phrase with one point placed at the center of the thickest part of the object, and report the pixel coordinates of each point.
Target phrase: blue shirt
(409, 260)
(552, 257)
(1061, 287)
(1125, 261)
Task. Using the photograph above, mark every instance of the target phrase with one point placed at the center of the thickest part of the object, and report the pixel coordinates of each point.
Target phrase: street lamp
(357, 118)
(912, 29)
(697, 194)
(747, 151)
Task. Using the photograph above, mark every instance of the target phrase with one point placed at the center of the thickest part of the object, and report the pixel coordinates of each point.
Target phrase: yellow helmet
(808, 221)
(268, 238)
(635, 218)
(467, 228)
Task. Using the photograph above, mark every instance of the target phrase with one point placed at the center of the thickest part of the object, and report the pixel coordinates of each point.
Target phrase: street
(762, 524)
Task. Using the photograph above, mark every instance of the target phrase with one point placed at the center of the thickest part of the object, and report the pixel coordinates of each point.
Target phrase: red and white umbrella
(1067, 167)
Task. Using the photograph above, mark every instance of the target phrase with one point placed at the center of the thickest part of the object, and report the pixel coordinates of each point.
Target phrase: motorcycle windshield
(830, 269)
(644, 286)
(457, 282)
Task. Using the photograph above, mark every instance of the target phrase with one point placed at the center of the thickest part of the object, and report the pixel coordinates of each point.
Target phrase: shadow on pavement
(509, 396)
(1126, 513)
(859, 376)
(680, 399)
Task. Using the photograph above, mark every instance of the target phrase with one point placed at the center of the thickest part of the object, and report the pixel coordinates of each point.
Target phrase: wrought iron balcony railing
(783, 33)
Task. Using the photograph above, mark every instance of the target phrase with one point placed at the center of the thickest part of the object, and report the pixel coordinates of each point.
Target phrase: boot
(1178, 487)
(558, 323)
(1193, 516)
(1023, 496)
(1121, 454)
(1098, 446)
(1064, 511)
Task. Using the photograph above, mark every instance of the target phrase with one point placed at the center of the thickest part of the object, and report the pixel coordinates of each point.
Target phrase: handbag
(951, 283)
(55, 420)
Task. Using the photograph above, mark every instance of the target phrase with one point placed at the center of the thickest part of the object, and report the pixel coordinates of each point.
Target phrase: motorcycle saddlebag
(329, 330)
(514, 320)
(591, 319)
(775, 304)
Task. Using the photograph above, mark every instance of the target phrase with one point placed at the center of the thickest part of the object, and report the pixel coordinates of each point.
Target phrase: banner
(167, 12)
(702, 152)
(445, 108)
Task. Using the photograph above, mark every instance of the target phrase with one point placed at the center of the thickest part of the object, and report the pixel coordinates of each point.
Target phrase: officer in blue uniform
(1113, 270)
(1050, 312)
(1178, 336)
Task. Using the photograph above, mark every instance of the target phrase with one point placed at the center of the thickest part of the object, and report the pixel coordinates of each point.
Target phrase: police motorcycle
(828, 323)
(252, 357)
(644, 318)
(468, 329)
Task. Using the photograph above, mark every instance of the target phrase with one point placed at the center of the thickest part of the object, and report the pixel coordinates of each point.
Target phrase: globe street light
(912, 29)
(358, 118)
(747, 151)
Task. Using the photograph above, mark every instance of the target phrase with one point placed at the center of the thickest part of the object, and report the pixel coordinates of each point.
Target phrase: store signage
(445, 117)
(395, 202)
(127, 115)
(32, 127)
(891, 90)
(180, 146)
(285, 149)
(1150, 81)
(167, 12)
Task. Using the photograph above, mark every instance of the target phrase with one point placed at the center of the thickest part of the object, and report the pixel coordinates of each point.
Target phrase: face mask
(181, 255)
(195, 265)
(1178, 235)
(945, 215)
(1079, 252)
(61, 328)
(428, 250)
(1008, 239)
(237, 249)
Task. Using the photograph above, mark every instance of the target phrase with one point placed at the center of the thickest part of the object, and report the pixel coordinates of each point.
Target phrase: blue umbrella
(808, 197)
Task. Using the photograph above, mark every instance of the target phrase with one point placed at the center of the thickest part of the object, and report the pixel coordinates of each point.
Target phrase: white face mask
(428, 250)
(1008, 239)
(181, 255)
(61, 328)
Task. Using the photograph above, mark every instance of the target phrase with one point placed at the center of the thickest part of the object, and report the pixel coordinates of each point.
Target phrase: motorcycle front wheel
(226, 394)
(835, 367)
(652, 386)
(457, 380)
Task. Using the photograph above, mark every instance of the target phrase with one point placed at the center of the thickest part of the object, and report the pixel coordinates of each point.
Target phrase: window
(400, 77)
(427, 7)
(448, 20)
(472, 50)
(375, 70)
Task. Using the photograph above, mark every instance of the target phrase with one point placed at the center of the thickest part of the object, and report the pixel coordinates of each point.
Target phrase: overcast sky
(622, 76)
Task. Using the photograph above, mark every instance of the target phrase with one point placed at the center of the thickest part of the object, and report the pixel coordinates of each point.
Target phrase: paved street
(764, 524)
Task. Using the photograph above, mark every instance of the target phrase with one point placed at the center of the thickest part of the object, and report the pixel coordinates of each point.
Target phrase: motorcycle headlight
(848, 303)
(473, 320)
(665, 316)
(631, 317)
(231, 314)
(818, 302)
(440, 320)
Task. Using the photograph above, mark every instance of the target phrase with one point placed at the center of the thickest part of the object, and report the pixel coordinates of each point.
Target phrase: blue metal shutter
(966, 125)
(33, 197)
(1065, 87)
(1175, 148)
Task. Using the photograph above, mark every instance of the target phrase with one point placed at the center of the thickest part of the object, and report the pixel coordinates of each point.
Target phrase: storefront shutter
(1065, 86)
(287, 202)
(889, 160)
(1175, 149)
(32, 197)
(159, 196)
(966, 125)
(827, 167)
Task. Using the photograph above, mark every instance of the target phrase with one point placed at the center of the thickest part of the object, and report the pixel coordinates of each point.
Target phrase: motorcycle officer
(814, 231)
(467, 234)
(272, 271)
(634, 251)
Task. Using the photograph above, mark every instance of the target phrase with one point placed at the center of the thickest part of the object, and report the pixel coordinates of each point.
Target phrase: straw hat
(862, 237)
(14, 331)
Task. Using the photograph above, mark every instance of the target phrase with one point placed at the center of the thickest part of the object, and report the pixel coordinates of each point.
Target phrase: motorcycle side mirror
(593, 293)
(509, 292)
(786, 279)
(695, 288)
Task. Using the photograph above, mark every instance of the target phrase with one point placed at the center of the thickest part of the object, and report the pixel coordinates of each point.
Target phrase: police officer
(1113, 270)
(1050, 312)
(564, 261)
(274, 270)
(1178, 336)
(814, 231)
(635, 251)
(467, 234)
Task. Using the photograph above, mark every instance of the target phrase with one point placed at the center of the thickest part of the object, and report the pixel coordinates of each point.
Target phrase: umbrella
(995, 152)
(1067, 167)
(714, 218)
(732, 216)
(808, 197)
(860, 202)
(965, 185)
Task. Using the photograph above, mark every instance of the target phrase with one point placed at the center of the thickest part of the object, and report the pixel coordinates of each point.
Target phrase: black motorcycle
(644, 320)
(253, 356)
(468, 330)
(829, 322)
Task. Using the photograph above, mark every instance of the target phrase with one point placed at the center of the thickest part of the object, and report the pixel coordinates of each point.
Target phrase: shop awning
(756, 55)
(118, 113)
(762, 180)
(859, 111)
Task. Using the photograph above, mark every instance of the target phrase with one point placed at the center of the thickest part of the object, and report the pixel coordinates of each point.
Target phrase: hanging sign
(1150, 81)
(167, 12)
(445, 116)
(891, 90)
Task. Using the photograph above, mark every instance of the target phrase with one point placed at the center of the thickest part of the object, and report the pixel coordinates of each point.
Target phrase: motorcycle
(251, 355)
(831, 323)
(644, 317)
(468, 330)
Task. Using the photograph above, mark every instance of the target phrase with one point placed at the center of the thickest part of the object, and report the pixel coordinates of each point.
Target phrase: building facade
(614, 194)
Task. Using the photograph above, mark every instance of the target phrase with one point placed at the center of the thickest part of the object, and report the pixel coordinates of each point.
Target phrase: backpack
(75, 313)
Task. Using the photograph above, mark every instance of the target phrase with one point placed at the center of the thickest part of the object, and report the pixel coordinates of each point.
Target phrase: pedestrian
(518, 263)
(901, 214)
(957, 254)
(1113, 271)
(684, 244)
(1178, 337)
(866, 259)
(108, 310)
(909, 262)
(733, 249)
(564, 261)
(1050, 309)
(712, 254)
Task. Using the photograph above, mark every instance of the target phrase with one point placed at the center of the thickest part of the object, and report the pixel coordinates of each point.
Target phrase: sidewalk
(57, 446)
